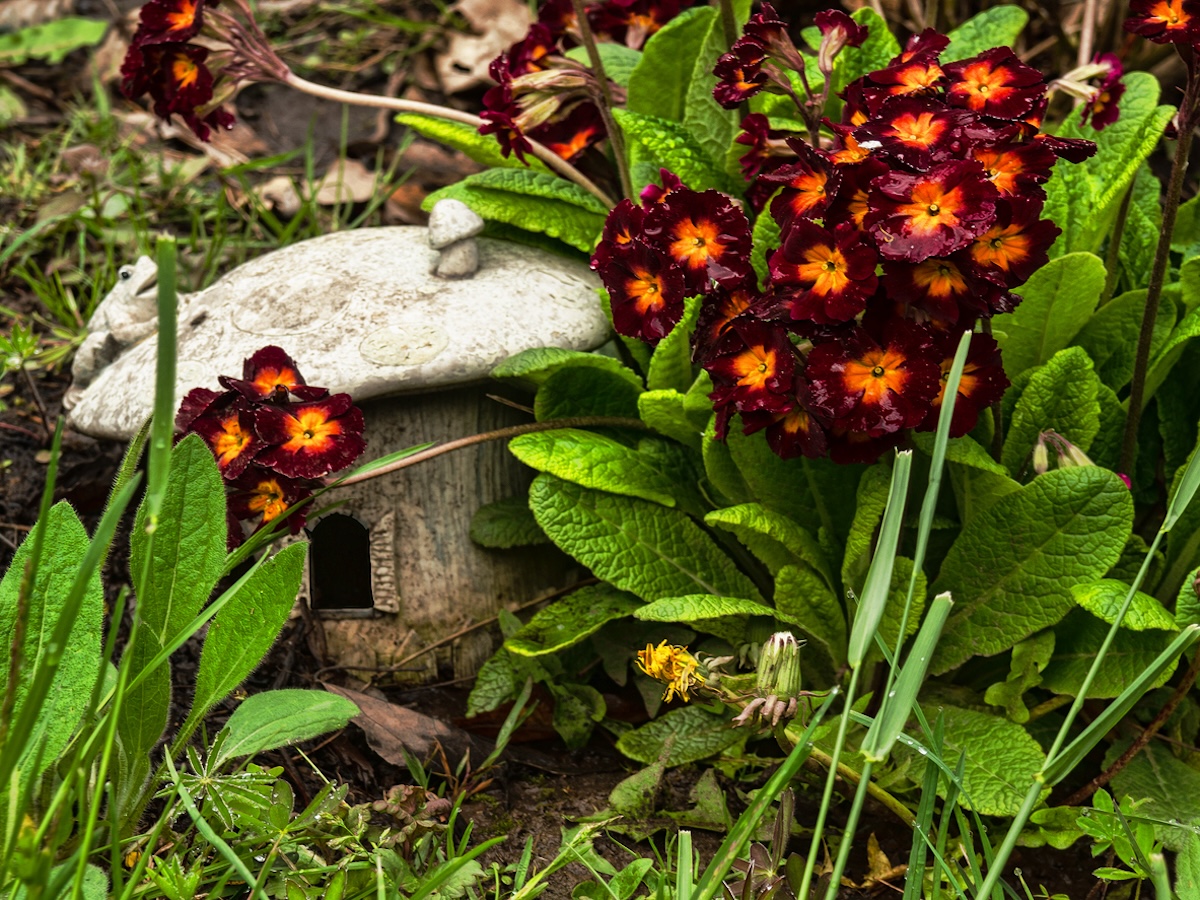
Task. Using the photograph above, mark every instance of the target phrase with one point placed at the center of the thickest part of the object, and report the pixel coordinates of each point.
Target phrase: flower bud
(779, 667)
(1041, 456)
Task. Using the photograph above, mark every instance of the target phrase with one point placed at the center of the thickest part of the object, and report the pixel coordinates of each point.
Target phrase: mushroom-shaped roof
(360, 312)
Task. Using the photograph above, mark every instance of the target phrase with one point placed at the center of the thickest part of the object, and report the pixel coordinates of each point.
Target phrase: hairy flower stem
(1187, 125)
(498, 435)
(615, 136)
(552, 160)
(728, 22)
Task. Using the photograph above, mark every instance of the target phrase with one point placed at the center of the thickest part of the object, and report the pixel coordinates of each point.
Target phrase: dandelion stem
(1137, 387)
(552, 160)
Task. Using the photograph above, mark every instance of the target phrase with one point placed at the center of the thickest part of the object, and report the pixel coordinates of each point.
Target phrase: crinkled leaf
(1143, 223)
(712, 125)
(532, 368)
(619, 61)
(242, 633)
(274, 719)
(671, 362)
(1057, 301)
(1012, 568)
(889, 624)
(1078, 639)
(577, 709)
(635, 796)
(586, 391)
(1062, 395)
(876, 51)
(1029, 658)
(802, 597)
(699, 607)
(483, 148)
(765, 235)
(723, 473)
(534, 201)
(1187, 604)
(1104, 598)
(772, 537)
(1166, 358)
(697, 734)
(570, 620)
(1168, 786)
(659, 82)
(65, 545)
(996, 26)
(670, 145)
(664, 412)
(595, 461)
(1110, 336)
(505, 524)
(638, 546)
(1105, 450)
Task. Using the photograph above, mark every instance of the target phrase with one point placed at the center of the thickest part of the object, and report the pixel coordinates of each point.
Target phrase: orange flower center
(825, 267)
(577, 144)
(694, 242)
(310, 430)
(983, 83)
(853, 152)
(185, 71)
(1001, 247)
(267, 499)
(1170, 13)
(811, 190)
(755, 367)
(876, 373)
(268, 379)
(182, 18)
(1001, 169)
(917, 79)
(967, 383)
(932, 206)
(939, 278)
(922, 130)
(231, 441)
(646, 291)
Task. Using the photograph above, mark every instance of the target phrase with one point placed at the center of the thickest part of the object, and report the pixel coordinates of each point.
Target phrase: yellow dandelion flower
(672, 665)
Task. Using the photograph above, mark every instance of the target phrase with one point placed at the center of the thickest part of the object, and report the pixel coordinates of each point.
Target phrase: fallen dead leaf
(499, 24)
(403, 207)
(280, 194)
(17, 14)
(347, 181)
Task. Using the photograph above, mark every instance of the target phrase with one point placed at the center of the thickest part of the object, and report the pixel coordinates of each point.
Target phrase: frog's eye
(125, 273)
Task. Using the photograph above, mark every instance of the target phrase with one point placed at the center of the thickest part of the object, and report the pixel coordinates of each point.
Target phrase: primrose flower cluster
(917, 218)
(544, 95)
(272, 449)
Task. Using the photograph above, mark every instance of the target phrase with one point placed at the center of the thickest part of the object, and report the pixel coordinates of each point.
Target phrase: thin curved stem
(541, 151)
(615, 136)
(498, 435)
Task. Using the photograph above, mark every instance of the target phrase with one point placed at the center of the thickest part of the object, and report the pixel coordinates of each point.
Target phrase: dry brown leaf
(499, 24)
(17, 14)
(280, 194)
(347, 181)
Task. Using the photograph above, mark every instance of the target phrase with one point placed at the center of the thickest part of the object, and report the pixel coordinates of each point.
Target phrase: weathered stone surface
(458, 260)
(452, 220)
(360, 312)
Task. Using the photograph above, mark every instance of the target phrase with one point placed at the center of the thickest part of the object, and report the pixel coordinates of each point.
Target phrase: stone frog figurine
(126, 315)
(371, 312)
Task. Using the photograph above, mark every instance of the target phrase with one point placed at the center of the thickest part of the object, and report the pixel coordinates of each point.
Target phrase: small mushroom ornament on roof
(370, 312)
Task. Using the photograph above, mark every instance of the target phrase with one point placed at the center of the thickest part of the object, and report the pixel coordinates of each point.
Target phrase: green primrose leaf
(1185, 237)
(694, 733)
(483, 148)
(664, 412)
(1110, 336)
(889, 623)
(65, 545)
(880, 48)
(997, 26)
(1057, 301)
(803, 597)
(868, 512)
(999, 757)
(711, 124)
(723, 473)
(505, 524)
(1104, 598)
(1077, 640)
(1029, 658)
(1012, 568)
(700, 608)
(577, 709)
(1166, 358)
(764, 238)
(1062, 395)
(51, 42)
(659, 82)
(1083, 198)
(572, 619)
(1143, 223)
(595, 461)
(531, 368)
(774, 538)
(638, 546)
(1105, 450)
(671, 362)
(535, 201)
(586, 391)
(241, 634)
(1168, 788)
(619, 61)
(275, 719)
(670, 145)
(1187, 872)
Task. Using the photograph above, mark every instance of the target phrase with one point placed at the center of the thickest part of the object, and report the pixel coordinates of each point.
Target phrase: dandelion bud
(1041, 456)
(779, 667)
